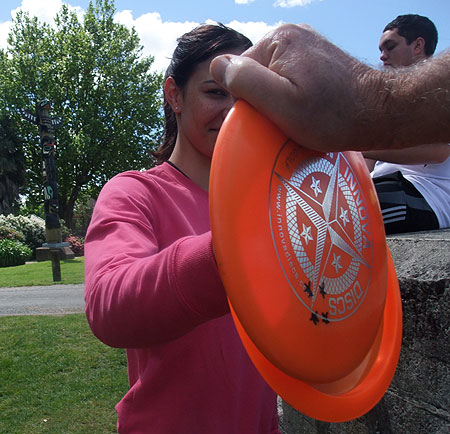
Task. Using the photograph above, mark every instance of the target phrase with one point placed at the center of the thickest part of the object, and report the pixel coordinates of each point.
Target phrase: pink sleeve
(136, 294)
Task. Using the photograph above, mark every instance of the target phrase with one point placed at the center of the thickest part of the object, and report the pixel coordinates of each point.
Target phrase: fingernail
(219, 67)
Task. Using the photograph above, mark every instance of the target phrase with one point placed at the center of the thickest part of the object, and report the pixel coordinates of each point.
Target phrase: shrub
(65, 231)
(76, 244)
(82, 214)
(13, 253)
(10, 233)
(32, 228)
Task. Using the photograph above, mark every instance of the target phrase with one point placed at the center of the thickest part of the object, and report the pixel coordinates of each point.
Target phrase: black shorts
(403, 208)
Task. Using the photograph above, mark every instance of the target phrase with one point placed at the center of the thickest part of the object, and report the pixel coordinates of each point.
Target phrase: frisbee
(345, 406)
(301, 249)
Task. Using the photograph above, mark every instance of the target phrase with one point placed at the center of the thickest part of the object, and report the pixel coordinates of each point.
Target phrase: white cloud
(45, 10)
(254, 30)
(4, 31)
(293, 3)
(157, 37)
(243, 2)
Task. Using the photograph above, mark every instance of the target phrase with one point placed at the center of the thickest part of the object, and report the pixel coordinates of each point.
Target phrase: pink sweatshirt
(152, 286)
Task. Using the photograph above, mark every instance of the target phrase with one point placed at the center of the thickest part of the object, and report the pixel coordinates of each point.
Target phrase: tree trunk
(66, 208)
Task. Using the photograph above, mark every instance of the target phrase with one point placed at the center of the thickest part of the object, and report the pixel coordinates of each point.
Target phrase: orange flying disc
(301, 249)
(341, 407)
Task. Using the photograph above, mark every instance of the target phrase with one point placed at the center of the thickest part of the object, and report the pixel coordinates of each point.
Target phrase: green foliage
(30, 208)
(13, 253)
(32, 228)
(94, 74)
(12, 166)
(8, 232)
(65, 231)
(83, 210)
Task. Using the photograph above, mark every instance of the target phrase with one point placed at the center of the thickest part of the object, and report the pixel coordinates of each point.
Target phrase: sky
(353, 25)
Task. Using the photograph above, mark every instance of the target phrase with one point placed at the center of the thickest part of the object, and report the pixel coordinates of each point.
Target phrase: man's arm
(324, 99)
(423, 154)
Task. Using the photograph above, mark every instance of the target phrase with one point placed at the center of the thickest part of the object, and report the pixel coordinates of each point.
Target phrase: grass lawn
(56, 377)
(40, 273)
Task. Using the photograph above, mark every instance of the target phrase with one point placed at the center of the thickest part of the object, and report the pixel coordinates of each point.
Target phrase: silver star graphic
(336, 262)
(344, 217)
(326, 225)
(306, 234)
(316, 186)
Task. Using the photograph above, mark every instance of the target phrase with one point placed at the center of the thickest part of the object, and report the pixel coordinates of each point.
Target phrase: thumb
(248, 79)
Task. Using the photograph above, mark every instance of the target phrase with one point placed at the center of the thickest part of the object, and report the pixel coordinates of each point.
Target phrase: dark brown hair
(194, 47)
(413, 26)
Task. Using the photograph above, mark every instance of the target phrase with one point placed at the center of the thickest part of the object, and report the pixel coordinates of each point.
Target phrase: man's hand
(324, 99)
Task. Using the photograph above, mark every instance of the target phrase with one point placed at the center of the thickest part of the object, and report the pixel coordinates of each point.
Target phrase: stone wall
(418, 400)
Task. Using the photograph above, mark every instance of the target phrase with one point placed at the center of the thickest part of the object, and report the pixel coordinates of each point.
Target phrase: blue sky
(353, 25)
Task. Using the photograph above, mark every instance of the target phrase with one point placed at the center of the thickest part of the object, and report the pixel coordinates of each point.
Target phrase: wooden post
(56, 265)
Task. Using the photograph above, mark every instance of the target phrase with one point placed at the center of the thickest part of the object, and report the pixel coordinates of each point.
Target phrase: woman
(152, 285)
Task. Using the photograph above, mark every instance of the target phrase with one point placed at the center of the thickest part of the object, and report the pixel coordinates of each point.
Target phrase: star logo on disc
(324, 216)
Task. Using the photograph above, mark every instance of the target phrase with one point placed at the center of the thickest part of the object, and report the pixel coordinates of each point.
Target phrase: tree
(94, 74)
(12, 166)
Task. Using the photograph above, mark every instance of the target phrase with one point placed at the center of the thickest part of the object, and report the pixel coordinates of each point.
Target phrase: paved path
(42, 300)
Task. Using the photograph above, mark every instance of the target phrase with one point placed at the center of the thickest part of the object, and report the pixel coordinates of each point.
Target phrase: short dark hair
(412, 26)
(194, 47)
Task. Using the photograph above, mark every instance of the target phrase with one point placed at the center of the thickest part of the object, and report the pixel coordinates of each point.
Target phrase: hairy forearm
(405, 108)
(324, 99)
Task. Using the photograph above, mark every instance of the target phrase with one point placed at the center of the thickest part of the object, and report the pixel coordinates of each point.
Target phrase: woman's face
(202, 107)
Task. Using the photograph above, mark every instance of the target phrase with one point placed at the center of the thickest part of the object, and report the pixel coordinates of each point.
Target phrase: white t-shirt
(432, 181)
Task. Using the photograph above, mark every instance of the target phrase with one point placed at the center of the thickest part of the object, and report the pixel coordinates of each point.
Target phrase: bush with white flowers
(31, 227)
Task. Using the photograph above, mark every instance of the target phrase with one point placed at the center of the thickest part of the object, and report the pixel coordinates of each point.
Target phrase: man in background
(413, 185)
